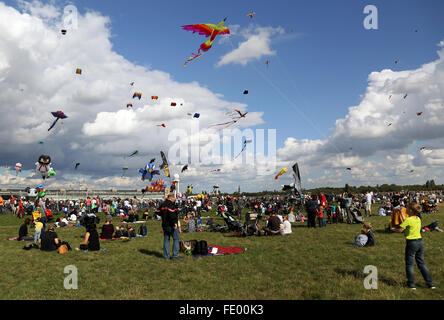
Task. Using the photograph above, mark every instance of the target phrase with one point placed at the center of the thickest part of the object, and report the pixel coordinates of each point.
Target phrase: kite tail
(194, 56)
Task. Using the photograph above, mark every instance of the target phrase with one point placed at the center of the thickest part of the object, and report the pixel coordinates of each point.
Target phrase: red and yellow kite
(208, 30)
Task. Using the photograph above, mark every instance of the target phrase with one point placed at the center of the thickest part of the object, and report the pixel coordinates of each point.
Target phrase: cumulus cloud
(257, 44)
(379, 137)
(37, 76)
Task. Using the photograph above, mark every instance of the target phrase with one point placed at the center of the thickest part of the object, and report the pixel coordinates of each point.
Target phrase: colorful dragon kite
(208, 30)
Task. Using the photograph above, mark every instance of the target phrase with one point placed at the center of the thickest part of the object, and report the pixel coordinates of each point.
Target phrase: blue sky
(321, 68)
(322, 72)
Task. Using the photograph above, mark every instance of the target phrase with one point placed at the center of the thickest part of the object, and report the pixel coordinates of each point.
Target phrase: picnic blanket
(216, 250)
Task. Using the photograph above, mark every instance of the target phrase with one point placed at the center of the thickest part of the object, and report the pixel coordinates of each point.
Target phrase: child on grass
(38, 230)
(414, 250)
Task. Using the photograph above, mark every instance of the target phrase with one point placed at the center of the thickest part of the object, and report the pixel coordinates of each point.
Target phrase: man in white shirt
(368, 204)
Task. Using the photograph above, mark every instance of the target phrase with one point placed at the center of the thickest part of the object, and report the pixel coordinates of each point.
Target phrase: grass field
(314, 264)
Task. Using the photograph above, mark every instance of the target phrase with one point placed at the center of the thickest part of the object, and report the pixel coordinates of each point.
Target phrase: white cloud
(256, 45)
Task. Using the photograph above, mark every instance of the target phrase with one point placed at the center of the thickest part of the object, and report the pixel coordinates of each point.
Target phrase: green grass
(308, 264)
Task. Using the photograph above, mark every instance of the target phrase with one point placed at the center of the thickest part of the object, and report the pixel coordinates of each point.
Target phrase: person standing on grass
(170, 226)
(414, 250)
(368, 204)
(312, 207)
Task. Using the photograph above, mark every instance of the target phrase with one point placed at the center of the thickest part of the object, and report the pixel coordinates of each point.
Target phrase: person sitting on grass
(273, 226)
(287, 226)
(23, 231)
(291, 217)
(107, 229)
(49, 241)
(145, 216)
(91, 241)
(119, 233)
(366, 238)
(189, 219)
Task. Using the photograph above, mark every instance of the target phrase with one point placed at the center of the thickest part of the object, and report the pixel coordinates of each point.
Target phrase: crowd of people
(279, 214)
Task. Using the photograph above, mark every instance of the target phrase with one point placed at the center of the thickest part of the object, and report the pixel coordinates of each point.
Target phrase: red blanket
(224, 250)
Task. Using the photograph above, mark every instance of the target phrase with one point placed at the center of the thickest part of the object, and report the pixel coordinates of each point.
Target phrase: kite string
(285, 97)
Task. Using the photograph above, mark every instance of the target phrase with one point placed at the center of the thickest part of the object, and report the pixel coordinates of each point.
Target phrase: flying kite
(246, 92)
(208, 30)
(58, 115)
(154, 97)
(134, 153)
(149, 170)
(132, 84)
(241, 115)
(173, 104)
(390, 96)
(422, 148)
(243, 147)
(41, 192)
(284, 170)
(164, 165)
(349, 169)
(129, 105)
(217, 170)
(43, 166)
(267, 63)
(18, 168)
(152, 160)
(63, 31)
(297, 178)
(396, 61)
(196, 115)
(229, 123)
(185, 168)
(158, 185)
(419, 113)
(77, 165)
(251, 14)
(78, 71)
(405, 95)
(41, 142)
(389, 124)
(125, 168)
(236, 115)
(163, 125)
(189, 190)
(137, 95)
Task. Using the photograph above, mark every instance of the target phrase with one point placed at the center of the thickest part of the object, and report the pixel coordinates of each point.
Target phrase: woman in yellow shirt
(414, 250)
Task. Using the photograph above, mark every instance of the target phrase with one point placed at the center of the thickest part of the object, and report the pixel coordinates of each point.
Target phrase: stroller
(232, 224)
(251, 227)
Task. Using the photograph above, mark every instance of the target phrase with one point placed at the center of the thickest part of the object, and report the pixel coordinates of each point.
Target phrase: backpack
(201, 248)
(143, 231)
